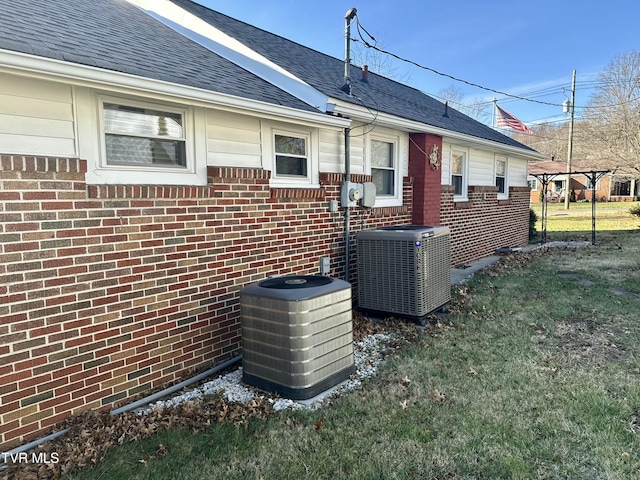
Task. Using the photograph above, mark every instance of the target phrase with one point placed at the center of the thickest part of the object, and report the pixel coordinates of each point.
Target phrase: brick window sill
(462, 205)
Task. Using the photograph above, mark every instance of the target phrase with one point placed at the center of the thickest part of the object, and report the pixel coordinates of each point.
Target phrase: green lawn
(534, 374)
(575, 223)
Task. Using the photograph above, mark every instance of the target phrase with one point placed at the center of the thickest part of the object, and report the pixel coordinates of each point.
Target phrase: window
(533, 183)
(558, 186)
(143, 137)
(383, 167)
(291, 155)
(458, 168)
(129, 140)
(501, 176)
(621, 188)
(386, 160)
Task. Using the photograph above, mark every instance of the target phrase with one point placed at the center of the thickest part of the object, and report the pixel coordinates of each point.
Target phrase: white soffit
(229, 48)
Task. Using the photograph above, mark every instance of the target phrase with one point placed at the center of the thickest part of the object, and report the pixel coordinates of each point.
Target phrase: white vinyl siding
(332, 152)
(356, 154)
(517, 173)
(233, 140)
(445, 166)
(36, 117)
(481, 167)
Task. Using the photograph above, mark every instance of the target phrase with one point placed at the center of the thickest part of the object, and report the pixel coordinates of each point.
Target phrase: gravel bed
(368, 355)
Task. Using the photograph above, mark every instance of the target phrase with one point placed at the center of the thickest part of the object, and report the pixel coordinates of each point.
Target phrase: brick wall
(110, 292)
(484, 223)
(426, 178)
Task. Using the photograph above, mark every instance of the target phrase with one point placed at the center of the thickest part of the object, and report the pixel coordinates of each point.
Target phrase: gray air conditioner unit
(404, 270)
(297, 338)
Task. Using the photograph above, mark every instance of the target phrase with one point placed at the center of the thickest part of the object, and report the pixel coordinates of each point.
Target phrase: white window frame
(464, 195)
(269, 131)
(532, 183)
(394, 200)
(91, 143)
(500, 158)
(307, 158)
(559, 186)
(587, 183)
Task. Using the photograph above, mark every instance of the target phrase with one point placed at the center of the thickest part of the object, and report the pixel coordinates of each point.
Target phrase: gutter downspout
(144, 401)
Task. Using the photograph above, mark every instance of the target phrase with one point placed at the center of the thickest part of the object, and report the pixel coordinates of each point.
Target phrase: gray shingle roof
(117, 36)
(326, 74)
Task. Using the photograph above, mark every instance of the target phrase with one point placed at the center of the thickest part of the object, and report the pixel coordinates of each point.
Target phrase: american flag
(505, 119)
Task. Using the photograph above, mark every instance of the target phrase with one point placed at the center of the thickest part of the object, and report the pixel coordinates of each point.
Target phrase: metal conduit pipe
(347, 213)
(179, 386)
(349, 16)
(126, 408)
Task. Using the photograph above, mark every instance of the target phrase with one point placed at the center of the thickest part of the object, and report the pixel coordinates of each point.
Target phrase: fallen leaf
(473, 371)
(161, 451)
(144, 459)
(404, 405)
(406, 381)
(437, 396)
(318, 425)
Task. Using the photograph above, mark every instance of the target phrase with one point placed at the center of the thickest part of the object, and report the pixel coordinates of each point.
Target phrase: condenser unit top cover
(295, 287)
(404, 232)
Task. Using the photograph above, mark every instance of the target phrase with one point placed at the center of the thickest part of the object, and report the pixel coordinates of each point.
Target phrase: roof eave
(392, 121)
(85, 75)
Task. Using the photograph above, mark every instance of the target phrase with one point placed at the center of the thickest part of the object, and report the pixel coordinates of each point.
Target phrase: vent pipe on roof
(350, 15)
(365, 73)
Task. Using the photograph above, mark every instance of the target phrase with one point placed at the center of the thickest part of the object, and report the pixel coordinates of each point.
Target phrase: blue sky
(519, 47)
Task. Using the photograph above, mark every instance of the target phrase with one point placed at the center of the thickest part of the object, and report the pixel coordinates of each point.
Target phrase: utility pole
(493, 113)
(350, 15)
(572, 110)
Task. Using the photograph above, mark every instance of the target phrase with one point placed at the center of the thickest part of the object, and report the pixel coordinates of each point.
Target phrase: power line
(398, 57)
(590, 84)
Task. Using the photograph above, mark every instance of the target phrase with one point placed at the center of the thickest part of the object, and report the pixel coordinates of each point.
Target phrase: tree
(548, 139)
(610, 129)
(477, 108)
(378, 62)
